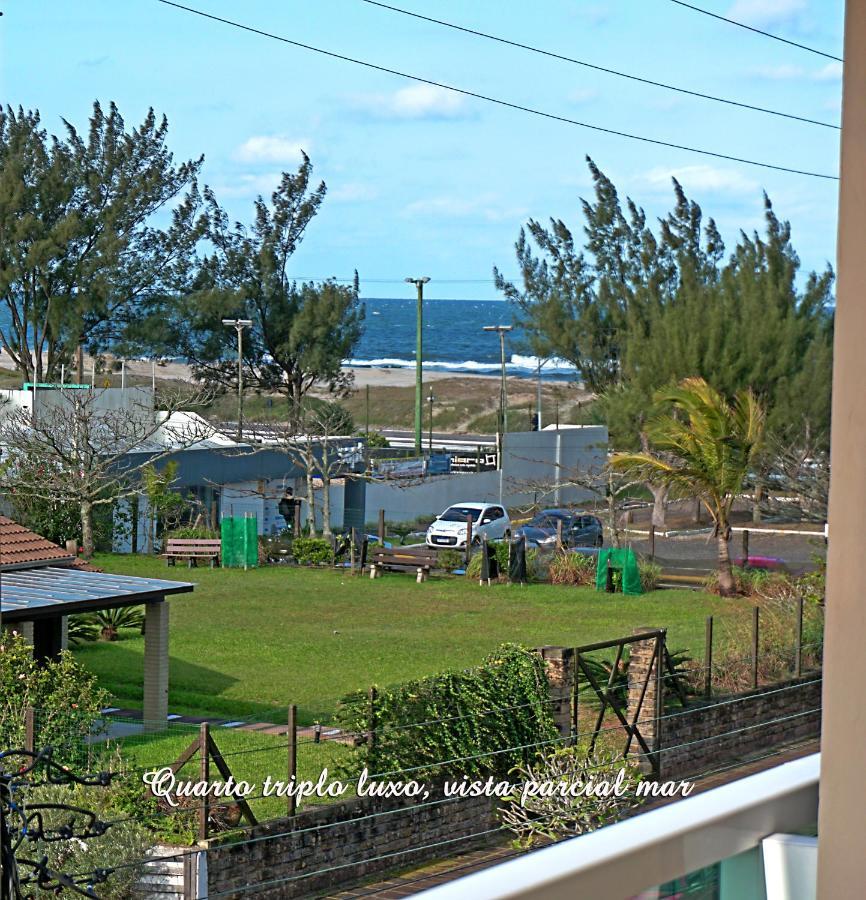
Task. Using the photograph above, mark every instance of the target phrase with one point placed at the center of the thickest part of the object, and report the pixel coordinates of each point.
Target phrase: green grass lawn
(247, 644)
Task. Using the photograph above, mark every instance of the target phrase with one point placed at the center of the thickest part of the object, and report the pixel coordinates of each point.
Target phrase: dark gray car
(578, 529)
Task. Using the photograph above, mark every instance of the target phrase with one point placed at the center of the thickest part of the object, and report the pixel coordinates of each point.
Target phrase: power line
(499, 102)
(588, 65)
(768, 34)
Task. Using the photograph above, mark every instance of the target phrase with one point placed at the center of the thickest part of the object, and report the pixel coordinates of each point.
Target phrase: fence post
(371, 737)
(381, 527)
(352, 539)
(708, 659)
(293, 755)
(798, 659)
(755, 626)
(204, 777)
(660, 700)
(745, 547)
(468, 539)
(574, 708)
(559, 534)
(652, 540)
(30, 729)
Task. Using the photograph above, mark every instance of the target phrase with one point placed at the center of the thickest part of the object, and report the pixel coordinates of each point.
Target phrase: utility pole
(431, 400)
(502, 330)
(541, 362)
(239, 325)
(419, 355)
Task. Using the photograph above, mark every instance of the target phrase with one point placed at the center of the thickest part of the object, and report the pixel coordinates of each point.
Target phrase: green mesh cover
(240, 542)
(626, 562)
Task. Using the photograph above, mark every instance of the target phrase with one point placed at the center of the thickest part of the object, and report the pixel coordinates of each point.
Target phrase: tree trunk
(758, 497)
(311, 506)
(660, 504)
(727, 585)
(326, 506)
(87, 528)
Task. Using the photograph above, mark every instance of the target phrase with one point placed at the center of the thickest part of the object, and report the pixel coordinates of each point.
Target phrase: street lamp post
(419, 348)
(502, 330)
(239, 325)
(431, 400)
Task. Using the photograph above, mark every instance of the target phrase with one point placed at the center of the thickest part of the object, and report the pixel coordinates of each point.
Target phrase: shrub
(650, 574)
(312, 551)
(541, 818)
(190, 533)
(572, 569)
(451, 559)
(105, 624)
(63, 694)
(535, 567)
(125, 841)
(487, 719)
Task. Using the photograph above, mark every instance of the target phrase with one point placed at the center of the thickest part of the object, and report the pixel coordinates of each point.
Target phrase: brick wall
(346, 836)
(723, 729)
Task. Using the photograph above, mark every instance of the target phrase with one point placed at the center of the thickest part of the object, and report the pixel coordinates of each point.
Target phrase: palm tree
(708, 445)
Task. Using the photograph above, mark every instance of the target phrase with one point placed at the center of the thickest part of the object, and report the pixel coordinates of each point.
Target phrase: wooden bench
(396, 560)
(192, 550)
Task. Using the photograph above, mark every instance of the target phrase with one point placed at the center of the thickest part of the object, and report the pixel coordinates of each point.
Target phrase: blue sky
(425, 182)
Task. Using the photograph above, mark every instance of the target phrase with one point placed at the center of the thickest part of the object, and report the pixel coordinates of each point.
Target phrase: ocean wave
(517, 363)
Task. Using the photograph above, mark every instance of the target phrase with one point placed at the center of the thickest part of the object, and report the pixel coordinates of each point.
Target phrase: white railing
(624, 859)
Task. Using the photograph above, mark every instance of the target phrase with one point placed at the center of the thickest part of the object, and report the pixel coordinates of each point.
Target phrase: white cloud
(766, 12)
(708, 179)
(416, 102)
(486, 206)
(249, 185)
(352, 192)
(831, 72)
(779, 73)
(271, 149)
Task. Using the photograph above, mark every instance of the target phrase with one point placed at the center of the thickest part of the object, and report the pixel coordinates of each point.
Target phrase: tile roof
(21, 548)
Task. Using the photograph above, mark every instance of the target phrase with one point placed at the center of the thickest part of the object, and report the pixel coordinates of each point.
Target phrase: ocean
(453, 338)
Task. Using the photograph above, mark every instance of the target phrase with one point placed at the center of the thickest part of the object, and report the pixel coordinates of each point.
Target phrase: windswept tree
(703, 447)
(637, 308)
(81, 254)
(76, 448)
(300, 333)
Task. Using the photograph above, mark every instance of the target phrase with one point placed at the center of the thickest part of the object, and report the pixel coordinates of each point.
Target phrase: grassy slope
(249, 643)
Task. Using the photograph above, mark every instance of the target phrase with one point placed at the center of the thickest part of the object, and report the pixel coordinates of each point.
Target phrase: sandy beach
(176, 371)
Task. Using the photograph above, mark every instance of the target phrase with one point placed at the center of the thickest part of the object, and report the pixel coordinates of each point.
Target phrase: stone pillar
(155, 665)
(643, 703)
(64, 632)
(559, 665)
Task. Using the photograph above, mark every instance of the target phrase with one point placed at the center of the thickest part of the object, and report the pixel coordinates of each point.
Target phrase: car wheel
(476, 541)
(599, 541)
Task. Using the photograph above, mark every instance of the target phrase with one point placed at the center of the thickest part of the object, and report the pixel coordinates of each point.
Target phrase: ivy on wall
(479, 721)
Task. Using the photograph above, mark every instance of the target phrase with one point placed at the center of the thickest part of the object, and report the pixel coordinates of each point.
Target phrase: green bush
(572, 569)
(534, 565)
(650, 575)
(124, 841)
(190, 533)
(487, 719)
(451, 559)
(63, 694)
(312, 551)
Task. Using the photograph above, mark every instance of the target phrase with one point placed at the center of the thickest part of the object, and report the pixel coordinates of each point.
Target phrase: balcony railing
(624, 859)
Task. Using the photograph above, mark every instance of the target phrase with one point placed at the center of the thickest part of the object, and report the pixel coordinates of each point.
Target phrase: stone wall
(346, 838)
(712, 733)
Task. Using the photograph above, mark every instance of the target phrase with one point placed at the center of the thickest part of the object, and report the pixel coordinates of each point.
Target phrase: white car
(449, 529)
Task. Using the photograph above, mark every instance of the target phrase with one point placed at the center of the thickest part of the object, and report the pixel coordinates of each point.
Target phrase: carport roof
(27, 594)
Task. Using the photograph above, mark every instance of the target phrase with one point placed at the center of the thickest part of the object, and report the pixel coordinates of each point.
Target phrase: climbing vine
(479, 721)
